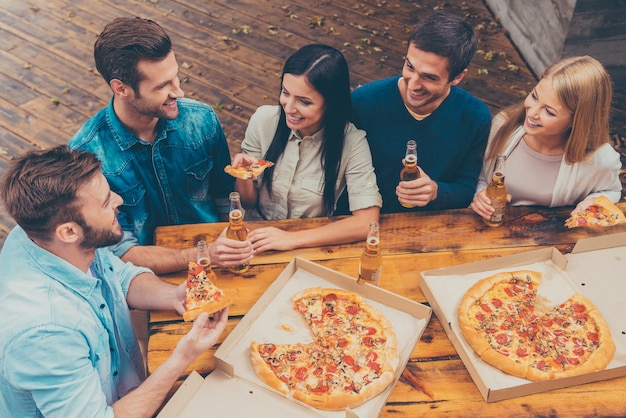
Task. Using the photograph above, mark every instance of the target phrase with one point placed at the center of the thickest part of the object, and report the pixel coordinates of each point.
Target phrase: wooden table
(435, 379)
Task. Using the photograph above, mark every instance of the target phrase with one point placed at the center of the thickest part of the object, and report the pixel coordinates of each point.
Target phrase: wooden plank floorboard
(231, 54)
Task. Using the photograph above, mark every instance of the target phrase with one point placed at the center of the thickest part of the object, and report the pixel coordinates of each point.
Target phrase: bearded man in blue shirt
(67, 346)
(163, 154)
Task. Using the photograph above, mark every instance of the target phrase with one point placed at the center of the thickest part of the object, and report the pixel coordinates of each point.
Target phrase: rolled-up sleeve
(359, 171)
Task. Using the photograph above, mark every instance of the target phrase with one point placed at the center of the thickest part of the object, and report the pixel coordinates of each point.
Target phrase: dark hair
(327, 71)
(39, 189)
(447, 35)
(123, 43)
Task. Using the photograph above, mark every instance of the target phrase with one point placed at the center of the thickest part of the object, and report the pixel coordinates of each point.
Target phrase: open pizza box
(595, 268)
(233, 389)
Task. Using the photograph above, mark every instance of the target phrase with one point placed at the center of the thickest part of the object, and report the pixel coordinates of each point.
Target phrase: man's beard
(98, 238)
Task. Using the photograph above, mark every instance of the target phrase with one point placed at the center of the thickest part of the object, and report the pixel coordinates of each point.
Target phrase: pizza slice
(248, 172)
(202, 295)
(571, 339)
(602, 212)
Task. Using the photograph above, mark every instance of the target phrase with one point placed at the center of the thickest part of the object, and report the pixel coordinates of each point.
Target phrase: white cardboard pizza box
(595, 268)
(234, 390)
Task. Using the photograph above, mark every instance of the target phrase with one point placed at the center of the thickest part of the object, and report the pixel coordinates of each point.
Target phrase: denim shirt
(178, 179)
(64, 334)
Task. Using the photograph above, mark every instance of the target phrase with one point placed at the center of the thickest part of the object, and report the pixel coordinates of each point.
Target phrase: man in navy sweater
(449, 125)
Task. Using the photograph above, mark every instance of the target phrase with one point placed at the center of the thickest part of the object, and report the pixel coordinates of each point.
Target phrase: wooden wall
(552, 29)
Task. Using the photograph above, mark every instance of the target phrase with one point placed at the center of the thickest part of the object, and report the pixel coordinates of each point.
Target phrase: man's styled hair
(126, 41)
(448, 35)
(39, 189)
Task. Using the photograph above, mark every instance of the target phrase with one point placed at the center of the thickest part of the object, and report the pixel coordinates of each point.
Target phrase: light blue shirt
(65, 334)
(177, 179)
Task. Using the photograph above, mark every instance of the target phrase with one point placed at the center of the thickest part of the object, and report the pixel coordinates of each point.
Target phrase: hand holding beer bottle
(410, 170)
(496, 192)
(371, 261)
(237, 228)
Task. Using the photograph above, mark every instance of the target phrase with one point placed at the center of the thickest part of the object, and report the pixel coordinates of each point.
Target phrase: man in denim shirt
(67, 346)
(163, 154)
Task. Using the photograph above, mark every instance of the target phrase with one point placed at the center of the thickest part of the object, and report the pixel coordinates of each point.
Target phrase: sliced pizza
(353, 356)
(602, 212)
(201, 294)
(498, 320)
(248, 172)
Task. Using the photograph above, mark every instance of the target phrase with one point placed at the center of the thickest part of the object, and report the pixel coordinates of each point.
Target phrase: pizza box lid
(233, 389)
(594, 268)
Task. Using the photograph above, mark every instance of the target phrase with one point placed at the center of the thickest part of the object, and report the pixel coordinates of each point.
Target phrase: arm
(350, 229)
(147, 397)
(161, 260)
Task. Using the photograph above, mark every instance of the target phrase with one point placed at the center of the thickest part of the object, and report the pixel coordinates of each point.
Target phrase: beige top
(297, 188)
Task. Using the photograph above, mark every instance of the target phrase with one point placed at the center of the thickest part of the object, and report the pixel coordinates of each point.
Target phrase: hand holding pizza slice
(248, 171)
(202, 295)
(600, 213)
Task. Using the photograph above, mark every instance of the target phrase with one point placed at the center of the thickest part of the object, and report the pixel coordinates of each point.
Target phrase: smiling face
(303, 105)
(99, 224)
(425, 80)
(159, 88)
(545, 114)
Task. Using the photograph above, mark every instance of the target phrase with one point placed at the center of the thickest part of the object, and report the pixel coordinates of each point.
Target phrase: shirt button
(115, 373)
(102, 306)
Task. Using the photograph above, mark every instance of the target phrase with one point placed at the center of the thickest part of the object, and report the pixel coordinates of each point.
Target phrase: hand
(270, 238)
(203, 335)
(482, 204)
(582, 206)
(243, 160)
(226, 252)
(417, 192)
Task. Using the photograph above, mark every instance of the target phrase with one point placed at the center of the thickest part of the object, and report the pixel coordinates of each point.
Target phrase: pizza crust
(209, 307)
(247, 172)
(263, 371)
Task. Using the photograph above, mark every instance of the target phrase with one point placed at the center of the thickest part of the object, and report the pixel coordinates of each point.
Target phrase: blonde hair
(584, 88)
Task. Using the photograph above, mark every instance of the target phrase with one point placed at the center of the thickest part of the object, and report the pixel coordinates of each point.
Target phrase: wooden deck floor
(231, 54)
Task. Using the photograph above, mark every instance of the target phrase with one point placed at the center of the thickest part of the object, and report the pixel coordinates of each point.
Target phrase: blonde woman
(556, 141)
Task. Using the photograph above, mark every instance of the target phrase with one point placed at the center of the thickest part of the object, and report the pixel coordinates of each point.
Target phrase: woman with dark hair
(317, 153)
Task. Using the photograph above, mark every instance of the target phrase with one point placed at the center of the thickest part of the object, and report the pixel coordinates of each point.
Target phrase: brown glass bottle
(204, 259)
(410, 170)
(496, 192)
(237, 228)
(370, 264)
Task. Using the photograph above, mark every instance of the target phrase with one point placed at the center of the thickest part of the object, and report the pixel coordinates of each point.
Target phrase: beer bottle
(236, 228)
(496, 192)
(371, 259)
(204, 259)
(410, 170)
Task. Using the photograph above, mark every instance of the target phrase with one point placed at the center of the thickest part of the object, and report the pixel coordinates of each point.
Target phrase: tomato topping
(480, 316)
(349, 360)
(330, 296)
(352, 309)
(541, 364)
(579, 351)
(370, 331)
(371, 356)
(573, 360)
(496, 302)
(331, 368)
(593, 336)
(321, 387)
(318, 371)
(342, 342)
(268, 348)
(196, 270)
(521, 352)
(485, 308)
(291, 355)
(502, 338)
(368, 341)
(301, 373)
(577, 307)
(374, 366)
(284, 378)
(593, 209)
(349, 387)
(581, 221)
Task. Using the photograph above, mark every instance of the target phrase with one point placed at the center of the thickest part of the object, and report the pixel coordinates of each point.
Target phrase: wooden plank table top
(435, 379)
